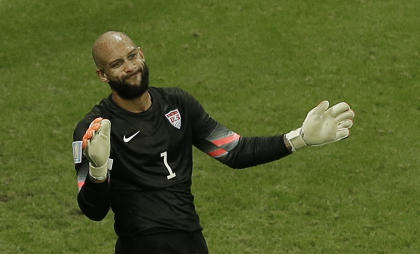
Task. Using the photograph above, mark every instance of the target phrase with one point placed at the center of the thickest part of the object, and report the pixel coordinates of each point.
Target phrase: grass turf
(257, 67)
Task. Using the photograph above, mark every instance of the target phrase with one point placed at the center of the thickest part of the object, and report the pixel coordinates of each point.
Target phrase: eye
(115, 65)
(132, 56)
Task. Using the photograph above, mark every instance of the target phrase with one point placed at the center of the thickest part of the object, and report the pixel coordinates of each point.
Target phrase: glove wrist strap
(295, 139)
(98, 174)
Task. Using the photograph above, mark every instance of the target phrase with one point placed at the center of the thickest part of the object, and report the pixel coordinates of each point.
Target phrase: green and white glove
(96, 148)
(323, 125)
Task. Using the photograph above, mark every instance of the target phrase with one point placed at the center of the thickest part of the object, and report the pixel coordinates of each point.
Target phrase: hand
(323, 126)
(96, 145)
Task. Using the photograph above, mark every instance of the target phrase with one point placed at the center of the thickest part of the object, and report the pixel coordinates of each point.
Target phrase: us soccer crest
(174, 117)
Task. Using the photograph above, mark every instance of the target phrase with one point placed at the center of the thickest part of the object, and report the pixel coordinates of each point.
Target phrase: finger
(338, 109)
(345, 124)
(346, 115)
(85, 140)
(95, 126)
(89, 134)
(342, 133)
(84, 144)
(96, 120)
(321, 108)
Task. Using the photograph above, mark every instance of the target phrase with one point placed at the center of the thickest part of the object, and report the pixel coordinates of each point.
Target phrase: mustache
(139, 70)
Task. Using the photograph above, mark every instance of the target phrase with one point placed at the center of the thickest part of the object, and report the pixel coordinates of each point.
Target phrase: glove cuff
(295, 139)
(98, 174)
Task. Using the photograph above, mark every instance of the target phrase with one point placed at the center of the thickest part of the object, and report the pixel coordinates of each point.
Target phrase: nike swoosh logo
(126, 140)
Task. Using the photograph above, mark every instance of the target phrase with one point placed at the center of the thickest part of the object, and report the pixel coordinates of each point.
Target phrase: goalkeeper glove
(96, 145)
(323, 125)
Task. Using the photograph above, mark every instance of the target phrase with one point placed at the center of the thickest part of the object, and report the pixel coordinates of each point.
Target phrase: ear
(102, 75)
(141, 53)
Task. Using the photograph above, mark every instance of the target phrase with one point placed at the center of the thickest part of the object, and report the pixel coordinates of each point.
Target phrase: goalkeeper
(133, 152)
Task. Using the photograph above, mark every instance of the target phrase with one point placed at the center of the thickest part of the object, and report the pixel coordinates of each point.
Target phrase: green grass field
(257, 67)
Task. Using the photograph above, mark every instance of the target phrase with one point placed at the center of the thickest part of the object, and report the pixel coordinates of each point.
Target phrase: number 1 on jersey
(165, 161)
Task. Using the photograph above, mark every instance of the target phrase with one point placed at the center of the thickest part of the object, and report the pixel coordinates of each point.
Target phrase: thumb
(105, 127)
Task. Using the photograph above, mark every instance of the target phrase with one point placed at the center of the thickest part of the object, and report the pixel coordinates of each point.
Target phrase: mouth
(133, 74)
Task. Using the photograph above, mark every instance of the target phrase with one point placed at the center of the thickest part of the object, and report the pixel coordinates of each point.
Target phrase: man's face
(124, 69)
(130, 91)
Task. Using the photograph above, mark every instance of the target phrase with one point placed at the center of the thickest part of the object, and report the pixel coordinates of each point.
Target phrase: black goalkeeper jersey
(149, 188)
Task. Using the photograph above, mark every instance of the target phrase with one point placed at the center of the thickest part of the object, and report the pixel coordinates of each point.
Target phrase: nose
(129, 67)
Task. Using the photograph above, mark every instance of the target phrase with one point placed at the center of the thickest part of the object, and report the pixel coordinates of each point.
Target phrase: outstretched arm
(240, 152)
(322, 125)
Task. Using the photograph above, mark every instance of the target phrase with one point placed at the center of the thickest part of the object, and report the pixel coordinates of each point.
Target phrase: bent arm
(93, 198)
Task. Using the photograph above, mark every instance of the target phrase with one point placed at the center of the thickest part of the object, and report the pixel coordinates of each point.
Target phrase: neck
(136, 105)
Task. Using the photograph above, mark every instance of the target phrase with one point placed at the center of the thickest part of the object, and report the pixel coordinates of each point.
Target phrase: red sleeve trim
(80, 184)
(217, 153)
(226, 140)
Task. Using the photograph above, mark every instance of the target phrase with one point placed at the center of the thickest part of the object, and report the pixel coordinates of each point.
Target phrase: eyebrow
(129, 53)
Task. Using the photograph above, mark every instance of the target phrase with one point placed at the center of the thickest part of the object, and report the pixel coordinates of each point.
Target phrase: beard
(128, 91)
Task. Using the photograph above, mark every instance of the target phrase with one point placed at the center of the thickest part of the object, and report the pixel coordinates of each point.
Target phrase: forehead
(116, 48)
